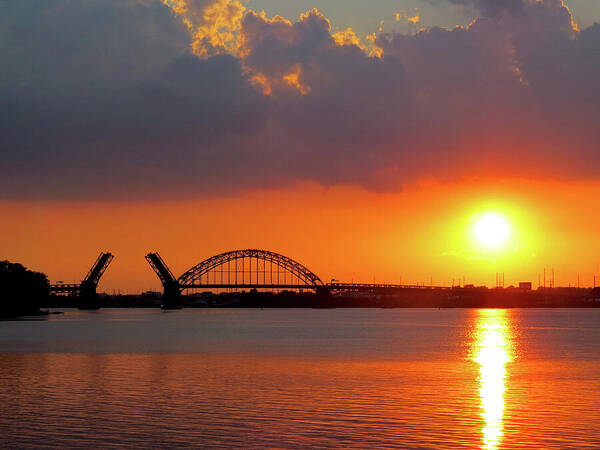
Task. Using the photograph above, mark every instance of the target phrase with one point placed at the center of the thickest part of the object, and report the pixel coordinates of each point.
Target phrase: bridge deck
(375, 286)
(64, 288)
(247, 286)
(330, 286)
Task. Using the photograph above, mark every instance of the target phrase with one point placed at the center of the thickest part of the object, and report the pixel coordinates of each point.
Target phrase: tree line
(22, 291)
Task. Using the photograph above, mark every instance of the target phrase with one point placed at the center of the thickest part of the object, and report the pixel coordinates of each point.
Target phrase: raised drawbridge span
(237, 269)
(86, 289)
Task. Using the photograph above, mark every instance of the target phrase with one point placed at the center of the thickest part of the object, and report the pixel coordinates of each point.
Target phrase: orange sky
(191, 99)
(342, 232)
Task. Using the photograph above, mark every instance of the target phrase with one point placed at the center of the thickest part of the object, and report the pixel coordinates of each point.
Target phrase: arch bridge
(238, 269)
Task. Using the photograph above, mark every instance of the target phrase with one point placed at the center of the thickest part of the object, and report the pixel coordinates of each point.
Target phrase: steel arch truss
(304, 275)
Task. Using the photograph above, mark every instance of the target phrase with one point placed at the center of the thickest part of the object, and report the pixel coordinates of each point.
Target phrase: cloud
(105, 99)
(415, 19)
(214, 24)
(130, 99)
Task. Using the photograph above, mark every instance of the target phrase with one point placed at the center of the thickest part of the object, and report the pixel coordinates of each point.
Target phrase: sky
(365, 17)
(363, 139)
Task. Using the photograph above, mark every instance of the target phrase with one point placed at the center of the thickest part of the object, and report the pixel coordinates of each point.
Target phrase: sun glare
(491, 230)
(493, 352)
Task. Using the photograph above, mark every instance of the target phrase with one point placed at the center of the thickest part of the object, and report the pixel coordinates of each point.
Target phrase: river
(296, 378)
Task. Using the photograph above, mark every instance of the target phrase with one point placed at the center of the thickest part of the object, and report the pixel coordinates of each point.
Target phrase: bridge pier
(88, 297)
(323, 291)
(171, 287)
(171, 297)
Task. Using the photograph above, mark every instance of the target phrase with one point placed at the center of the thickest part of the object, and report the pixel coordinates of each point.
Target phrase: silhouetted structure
(274, 280)
(238, 269)
(171, 287)
(21, 290)
(86, 290)
(377, 288)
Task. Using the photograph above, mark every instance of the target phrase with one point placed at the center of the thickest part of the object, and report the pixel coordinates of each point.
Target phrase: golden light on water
(492, 353)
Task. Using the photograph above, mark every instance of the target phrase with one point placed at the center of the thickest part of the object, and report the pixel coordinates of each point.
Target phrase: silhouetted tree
(21, 290)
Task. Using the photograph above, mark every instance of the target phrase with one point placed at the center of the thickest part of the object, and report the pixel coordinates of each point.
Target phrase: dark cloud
(114, 99)
(104, 98)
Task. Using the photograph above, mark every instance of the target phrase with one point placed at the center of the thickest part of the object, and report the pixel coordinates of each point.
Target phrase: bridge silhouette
(253, 269)
(85, 291)
(235, 270)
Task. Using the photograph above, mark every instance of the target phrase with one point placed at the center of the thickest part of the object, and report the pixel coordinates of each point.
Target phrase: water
(363, 378)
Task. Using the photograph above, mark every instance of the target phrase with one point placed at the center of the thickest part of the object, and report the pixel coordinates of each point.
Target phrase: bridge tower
(88, 298)
(171, 289)
(86, 290)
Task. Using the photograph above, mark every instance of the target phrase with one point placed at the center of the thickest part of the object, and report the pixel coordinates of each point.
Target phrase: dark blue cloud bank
(132, 99)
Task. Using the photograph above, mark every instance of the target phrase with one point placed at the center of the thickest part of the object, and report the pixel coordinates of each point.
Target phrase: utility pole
(544, 278)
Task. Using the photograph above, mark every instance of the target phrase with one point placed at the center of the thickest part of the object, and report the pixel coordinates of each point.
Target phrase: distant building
(151, 294)
(525, 286)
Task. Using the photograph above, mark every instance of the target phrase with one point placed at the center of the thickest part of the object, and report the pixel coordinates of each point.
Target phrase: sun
(491, 230)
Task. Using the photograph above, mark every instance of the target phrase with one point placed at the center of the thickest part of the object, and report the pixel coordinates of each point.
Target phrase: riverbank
(405, 298)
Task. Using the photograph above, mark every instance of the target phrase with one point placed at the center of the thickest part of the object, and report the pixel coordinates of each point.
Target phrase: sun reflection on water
(492, 350)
